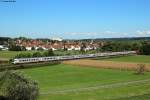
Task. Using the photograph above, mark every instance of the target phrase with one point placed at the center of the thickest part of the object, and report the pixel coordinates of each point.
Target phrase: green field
(66, 78)
(134, 58)
(66, 82)
(6, 55)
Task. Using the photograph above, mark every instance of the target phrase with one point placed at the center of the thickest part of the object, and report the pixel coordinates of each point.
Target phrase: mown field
(67, 82)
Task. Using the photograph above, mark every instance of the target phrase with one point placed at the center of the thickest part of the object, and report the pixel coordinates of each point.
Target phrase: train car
(57, 58)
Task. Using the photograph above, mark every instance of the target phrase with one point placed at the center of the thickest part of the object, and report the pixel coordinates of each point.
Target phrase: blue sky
(75, 19)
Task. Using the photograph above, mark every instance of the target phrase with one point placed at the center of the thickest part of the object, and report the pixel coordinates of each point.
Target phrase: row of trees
(142, 47)
(13, 47)
(36, 54)
(120, 46)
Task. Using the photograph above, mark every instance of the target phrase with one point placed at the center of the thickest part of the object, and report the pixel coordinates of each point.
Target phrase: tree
(49, 53)
(16, 86)
(83, 47)
(145, 48)
(13, 47)
(40, 49)
(36, 54)
(33, 48)
(45, 54)
(64, 46)
(135, 46)
(23, 48)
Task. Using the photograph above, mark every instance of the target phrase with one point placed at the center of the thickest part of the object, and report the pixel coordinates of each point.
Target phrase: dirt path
(98, 87)
(107, 64)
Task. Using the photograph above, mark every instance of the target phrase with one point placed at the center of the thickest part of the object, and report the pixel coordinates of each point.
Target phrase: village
(54, 44)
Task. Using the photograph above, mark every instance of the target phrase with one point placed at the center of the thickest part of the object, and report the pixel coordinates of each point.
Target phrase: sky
(75, 19)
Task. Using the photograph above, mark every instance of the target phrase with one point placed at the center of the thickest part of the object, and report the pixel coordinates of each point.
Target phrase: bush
(15, 86)
(140, 69)
(40, 49)
(23, 48)
(23, 55)
(49, 53)
(14, 47)
(37, 54)
(33, 48)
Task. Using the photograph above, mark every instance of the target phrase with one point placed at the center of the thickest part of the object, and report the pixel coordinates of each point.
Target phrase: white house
(28, 48)
(54, 49)
(77, 48)
(2, 47)
(57, 39)
(71, 48)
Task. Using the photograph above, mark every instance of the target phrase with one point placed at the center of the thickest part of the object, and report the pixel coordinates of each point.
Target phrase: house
(56, 46)
(2, 47)
(28, 48)
(77, 47)
(57, 39)
(70, 47)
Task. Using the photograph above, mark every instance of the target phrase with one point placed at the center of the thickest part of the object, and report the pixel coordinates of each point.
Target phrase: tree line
(142, 47)
(36, 54)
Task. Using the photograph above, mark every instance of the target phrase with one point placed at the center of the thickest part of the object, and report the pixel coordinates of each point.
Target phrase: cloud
(104, 34)
(143, 33)
(110, 32)
(92, 33)
(82, 33)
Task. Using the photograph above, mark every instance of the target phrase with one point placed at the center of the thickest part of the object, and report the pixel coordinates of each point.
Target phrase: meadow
(73, 82)
(10, 54)
(67, 82)
(132, 58)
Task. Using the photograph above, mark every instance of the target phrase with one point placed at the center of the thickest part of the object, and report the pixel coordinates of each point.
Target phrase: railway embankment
(24, 66)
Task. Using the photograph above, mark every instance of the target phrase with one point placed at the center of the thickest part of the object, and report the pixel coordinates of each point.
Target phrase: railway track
(72, 57)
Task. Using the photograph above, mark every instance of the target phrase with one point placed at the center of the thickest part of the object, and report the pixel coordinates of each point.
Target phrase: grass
(6, 55)
(139, 97)
(64, 77)
(134, 92)
(134, 58)
(11, 54)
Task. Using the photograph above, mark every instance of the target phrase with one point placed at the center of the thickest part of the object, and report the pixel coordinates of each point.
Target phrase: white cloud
(143, 33)
(110, 32)
(82, 33)
(104, 34)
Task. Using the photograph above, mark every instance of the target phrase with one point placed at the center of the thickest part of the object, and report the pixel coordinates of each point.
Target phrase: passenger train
(59, 58)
